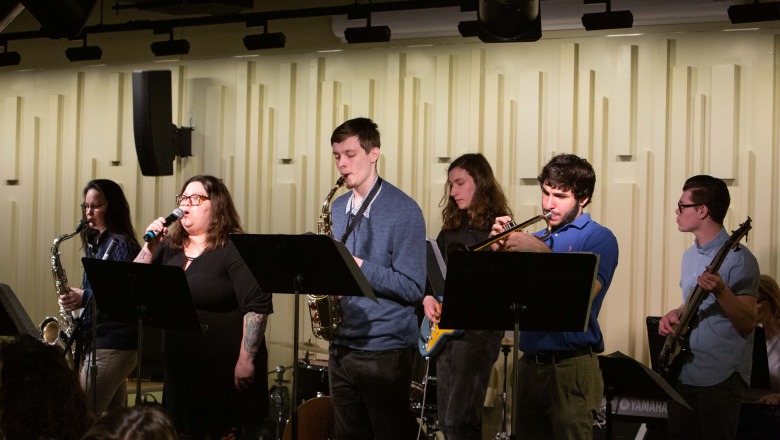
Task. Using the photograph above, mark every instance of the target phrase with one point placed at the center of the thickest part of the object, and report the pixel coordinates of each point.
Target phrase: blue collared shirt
(717, 347)
(581, 235)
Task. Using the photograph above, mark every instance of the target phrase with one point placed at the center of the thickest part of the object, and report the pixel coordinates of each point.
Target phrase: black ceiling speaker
(60, 18)
(505, 21)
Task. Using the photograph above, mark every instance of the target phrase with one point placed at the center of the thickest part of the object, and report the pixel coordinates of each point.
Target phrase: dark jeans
(370, 393)
(715, 412)
(462, 372)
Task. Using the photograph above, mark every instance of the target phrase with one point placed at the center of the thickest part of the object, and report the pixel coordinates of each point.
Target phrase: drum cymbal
(303, 346)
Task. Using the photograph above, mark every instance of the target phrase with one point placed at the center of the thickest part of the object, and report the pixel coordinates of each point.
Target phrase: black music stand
(519, 291)
(300, 265)
(628, 377)
(142, 294)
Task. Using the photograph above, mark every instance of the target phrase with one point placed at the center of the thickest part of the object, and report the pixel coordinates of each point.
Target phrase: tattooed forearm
(254, 331)
(141, 258)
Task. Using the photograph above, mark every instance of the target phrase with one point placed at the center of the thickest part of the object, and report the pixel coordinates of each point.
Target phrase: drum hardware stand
(280, 397)
(503, 435)
(427, 417)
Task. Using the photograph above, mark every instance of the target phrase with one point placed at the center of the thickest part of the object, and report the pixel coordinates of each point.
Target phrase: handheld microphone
(175, 215)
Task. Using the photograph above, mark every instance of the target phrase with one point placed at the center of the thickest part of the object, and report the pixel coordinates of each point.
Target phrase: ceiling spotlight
(606, 20)
(83, 53)
(367, 33)
(170, 47)
(275, 40)
(9, 58)
(755, 11)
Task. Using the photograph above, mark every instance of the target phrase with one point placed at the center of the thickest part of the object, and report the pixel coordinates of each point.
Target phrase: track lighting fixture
(750, 12)
(83, 53)
(367, 33)
(170, 47)
(608, 19)
(9, 58)
(505, 21)
(275, 40)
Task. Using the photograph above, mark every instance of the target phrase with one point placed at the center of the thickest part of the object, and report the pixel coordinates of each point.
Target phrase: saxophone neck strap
(359, 216)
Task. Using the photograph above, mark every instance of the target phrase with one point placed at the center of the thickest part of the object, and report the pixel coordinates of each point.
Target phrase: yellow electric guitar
(433, 338)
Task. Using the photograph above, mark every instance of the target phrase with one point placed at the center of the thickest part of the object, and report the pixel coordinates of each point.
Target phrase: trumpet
(512, 227)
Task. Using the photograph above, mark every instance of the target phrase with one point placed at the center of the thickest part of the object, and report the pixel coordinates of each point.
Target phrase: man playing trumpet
(559, 384)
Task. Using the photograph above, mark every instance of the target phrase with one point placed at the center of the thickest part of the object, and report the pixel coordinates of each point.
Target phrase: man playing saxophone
(370, 362)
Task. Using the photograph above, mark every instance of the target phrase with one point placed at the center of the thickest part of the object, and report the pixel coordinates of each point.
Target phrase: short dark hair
(711, 192)
(365, 129)
(570, 172)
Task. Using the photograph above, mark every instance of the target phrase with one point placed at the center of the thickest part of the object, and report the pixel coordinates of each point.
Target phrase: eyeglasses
(681, 206)
(194, 199)
(85, 207)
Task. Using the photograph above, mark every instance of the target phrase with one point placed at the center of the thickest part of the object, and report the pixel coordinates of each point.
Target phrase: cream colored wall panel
(114, 111)
(623, 124)
(476, 100)
(242, 129)
(442, 133)
(11, 139)
(331, 118)
(255, 163)
(724, 140)
(362, 99)
(586, 113)
(286, 91)
(9, 263)
(390, 118)
(493, 115)
(283, 197)
(214, 130)
(619, 314)
(567, 98)
(529, 160)
(407, 147)
(699, 136)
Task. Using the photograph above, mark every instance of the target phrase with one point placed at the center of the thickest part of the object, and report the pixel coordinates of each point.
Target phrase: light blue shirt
(717, 347)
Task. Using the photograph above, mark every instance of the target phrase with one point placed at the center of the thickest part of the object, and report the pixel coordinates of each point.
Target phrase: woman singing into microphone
(110, 236)
(215, 381)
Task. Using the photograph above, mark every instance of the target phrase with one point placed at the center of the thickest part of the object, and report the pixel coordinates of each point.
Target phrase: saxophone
(51, 331)
(324, 309)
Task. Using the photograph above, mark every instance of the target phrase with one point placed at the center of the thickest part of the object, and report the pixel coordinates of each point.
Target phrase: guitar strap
(359, 216)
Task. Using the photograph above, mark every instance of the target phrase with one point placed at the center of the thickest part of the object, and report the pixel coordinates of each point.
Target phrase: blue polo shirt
(717, 347)
(581, 235)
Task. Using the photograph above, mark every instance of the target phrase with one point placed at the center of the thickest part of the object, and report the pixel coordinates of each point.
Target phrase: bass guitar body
(433, 338)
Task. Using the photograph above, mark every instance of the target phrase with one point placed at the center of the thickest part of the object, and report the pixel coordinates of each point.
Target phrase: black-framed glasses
(681, 206)
(85, 207)
(194, 199)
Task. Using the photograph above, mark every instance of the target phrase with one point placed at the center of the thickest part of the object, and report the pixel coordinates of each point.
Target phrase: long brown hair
(116, 215)
(488, 202)
(769, 291)
(224, 217)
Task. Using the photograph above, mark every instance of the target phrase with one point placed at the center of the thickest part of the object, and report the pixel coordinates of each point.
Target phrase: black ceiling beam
(139, 25)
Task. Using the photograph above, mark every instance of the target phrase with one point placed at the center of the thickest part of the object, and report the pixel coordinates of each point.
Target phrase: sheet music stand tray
(626, 376)
(142, 294)
(300, 265)
(519, 291)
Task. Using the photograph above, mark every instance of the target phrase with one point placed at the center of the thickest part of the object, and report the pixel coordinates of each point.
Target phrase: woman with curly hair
(40, 395)
(215, 381)
(473, 201)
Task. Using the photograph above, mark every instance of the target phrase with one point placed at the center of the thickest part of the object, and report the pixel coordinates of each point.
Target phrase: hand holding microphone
(175, 215)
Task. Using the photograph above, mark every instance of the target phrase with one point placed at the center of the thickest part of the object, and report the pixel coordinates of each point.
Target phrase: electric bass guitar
(433, 338)
(676, 349)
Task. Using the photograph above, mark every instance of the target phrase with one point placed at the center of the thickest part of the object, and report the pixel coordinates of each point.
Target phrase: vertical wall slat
(11, 138)
(724, 140)
(567, 97)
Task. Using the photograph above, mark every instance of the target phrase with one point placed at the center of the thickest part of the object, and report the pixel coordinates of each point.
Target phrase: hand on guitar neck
(432, 338)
